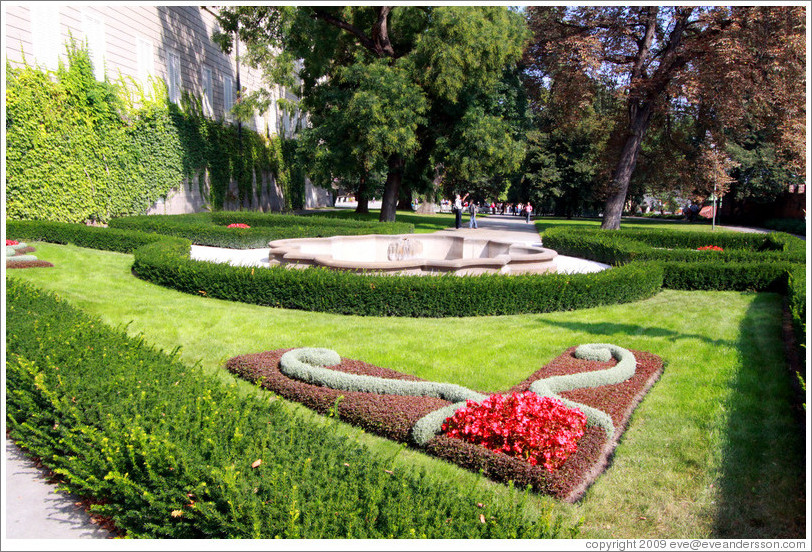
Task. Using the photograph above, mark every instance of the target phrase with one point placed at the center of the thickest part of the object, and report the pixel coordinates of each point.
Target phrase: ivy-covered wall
(79, 149)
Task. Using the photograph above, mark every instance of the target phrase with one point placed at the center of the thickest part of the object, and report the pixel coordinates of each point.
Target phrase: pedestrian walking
(527, 210)
(472, 212)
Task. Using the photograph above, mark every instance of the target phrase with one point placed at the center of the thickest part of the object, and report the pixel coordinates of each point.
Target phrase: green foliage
(321, 289)
(211, 228)
(79, 149)
(93, 237)
(792, 226)
(168, 451)
(749, 261)
(422, 92)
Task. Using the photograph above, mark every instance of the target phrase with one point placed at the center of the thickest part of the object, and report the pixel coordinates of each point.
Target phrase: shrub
(168, 452)
(539, 429)
(747, 262)
(212, 228)
(93, 237)
(792, 226)
(320, 289)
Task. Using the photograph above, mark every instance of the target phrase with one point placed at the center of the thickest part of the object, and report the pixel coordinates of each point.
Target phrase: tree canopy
(725, 68)
(401, 90)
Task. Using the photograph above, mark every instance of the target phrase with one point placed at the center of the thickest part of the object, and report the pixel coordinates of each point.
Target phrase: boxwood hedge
(169, 452)
(642, 266)
(212, 228)
(749, 261)
(321, 289)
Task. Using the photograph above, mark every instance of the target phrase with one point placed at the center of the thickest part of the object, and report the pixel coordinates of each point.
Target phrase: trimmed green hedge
(168, 451)
(321, 289)
(211, 228)
(92, 237)
(165, 261)
(793, 226)
(749, 261)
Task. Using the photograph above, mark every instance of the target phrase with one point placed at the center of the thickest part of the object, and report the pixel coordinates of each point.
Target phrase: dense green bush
(211, 228)
(170, 453)
(321, 289)
(748, 262)
(80, 149)
(92, 237)
(792, 226)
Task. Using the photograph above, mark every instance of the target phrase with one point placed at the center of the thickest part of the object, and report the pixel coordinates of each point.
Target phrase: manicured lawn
(713, 449)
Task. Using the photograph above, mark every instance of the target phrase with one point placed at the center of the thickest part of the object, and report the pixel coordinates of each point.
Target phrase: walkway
(33, 508)
(498, 227)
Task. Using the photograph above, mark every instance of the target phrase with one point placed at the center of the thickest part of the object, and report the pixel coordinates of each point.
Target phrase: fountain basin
(414, 254)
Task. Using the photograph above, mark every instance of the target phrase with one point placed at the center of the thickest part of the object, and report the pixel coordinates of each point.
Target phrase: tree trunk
(391, 188)
(613, 209)
(361, 196)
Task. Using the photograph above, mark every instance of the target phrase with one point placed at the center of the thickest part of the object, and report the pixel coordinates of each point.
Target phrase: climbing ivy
(80, 149)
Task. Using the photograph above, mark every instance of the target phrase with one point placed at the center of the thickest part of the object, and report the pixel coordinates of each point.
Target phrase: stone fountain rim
(533, 254)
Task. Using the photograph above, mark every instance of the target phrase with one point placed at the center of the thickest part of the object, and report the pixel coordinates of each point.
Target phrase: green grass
(712, 451)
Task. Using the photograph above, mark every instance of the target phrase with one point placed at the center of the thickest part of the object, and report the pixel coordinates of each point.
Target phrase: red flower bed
(541, 430)
(238, 225)
(709, 248)
(393, 416)
(12, 242)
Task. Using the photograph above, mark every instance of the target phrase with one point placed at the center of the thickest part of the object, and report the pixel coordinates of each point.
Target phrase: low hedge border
(321, 289)
(165, 261)
(758, 262)
(92, 237)
(168, 452)
(314, 366)
(211, 228)
(394, 416)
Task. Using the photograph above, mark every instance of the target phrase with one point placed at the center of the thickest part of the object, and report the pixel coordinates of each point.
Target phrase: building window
(45, 34)
(228, 95)
(93, 28)
(208, 92)
(146, 60)
(173, 82)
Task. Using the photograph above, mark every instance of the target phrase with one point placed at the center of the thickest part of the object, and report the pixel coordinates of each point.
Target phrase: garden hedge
(92, 237)
(321, 289)
(640, 271)
(166, 451)
(759, 262)
(211, 228)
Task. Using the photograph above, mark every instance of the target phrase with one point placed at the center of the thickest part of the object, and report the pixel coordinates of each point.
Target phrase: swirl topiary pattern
(311, 365)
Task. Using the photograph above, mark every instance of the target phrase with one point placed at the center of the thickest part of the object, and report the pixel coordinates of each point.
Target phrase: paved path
(499, 227)
(33, 508)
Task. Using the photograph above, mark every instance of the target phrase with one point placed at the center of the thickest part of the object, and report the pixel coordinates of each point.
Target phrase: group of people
(459, 205)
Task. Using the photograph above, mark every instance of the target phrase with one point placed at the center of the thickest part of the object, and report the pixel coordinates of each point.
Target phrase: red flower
(12, 242)
(238, 225)
(539, 429)
(709, 248)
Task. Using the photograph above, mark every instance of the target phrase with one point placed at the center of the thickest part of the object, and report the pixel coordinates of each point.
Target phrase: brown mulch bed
(28, 264)
(393, 416)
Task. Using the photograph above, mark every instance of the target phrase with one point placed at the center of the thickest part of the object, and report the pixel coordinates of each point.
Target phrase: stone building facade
(172, 43)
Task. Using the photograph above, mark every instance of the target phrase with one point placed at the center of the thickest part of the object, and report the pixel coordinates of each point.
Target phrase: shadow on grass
(762, 480)
(614, 328)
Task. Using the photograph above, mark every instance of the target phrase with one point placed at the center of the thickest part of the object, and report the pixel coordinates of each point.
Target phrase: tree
(388, 60)
(719, 63)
